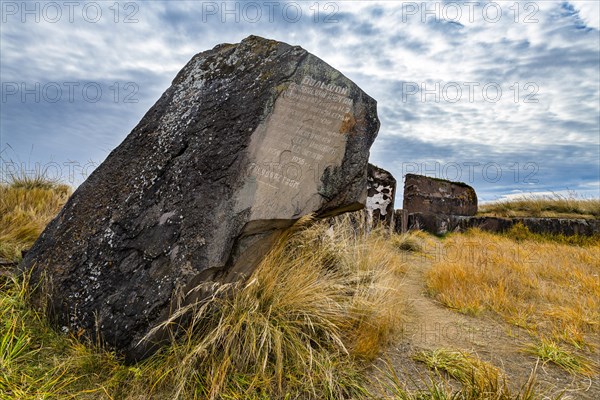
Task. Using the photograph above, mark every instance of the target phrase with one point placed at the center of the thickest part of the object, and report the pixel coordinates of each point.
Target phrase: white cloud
(589, 12)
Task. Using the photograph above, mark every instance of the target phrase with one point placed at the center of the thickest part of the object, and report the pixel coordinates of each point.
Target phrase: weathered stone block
(561, 226)
(437, 224)
(423, 194)
(249, 138)
(440, 224)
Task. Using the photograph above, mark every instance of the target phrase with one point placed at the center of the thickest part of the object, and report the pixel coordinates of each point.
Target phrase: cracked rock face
(249, 138)
(381, 191)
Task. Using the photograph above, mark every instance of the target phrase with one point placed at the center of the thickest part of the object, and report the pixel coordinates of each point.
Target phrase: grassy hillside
(555, 206)
(330, 314)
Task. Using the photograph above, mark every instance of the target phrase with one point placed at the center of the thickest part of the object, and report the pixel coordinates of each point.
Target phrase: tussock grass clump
(321, 302)
(26, 207)
(544, 206)
(410, 241)
(548, 288)
(38, 181)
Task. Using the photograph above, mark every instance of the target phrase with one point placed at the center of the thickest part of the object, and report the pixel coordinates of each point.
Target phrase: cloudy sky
(503, 95)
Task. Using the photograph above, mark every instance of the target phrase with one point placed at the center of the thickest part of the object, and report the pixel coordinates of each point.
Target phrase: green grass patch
(476, 379)
(550, 351)
(463, 367)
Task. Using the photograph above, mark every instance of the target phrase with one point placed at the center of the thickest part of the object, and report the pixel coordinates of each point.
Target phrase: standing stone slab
(249, 138)
(381, 191)
(427, 195)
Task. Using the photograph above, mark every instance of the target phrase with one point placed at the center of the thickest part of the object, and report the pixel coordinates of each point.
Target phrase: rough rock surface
(400, 221)
(440, 224)
(249, 138)
(381, 191)
(423, 194)
(561, 226)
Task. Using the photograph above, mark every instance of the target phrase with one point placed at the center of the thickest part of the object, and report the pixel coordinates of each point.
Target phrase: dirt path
(429, 325)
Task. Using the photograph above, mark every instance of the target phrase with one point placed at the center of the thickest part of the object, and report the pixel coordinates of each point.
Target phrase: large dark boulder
(249, 138)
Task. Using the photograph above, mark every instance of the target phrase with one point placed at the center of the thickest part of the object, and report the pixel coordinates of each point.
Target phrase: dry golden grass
(550, 289)
(25, 210)
(413, 242)
(547, 206)
(321, 303)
